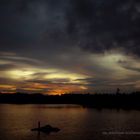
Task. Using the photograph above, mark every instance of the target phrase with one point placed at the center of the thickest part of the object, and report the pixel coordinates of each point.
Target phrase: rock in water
(46, 129)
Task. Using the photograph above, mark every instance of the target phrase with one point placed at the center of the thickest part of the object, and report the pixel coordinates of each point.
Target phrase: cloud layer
(93, 25)
(83, 45)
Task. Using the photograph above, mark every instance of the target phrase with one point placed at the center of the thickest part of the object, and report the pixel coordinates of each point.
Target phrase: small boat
(46, 129)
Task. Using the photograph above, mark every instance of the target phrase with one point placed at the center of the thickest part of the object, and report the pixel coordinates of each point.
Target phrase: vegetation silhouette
(105, 100)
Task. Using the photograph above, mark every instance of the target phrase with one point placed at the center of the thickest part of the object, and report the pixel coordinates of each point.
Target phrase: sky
(63, 46)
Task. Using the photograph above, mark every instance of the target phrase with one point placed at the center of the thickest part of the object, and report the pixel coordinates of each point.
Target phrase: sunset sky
(62, 46)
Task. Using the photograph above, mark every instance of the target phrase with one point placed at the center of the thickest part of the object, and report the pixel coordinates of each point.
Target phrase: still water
(75, 122)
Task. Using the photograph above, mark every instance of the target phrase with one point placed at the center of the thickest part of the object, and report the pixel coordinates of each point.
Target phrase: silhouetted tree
(118, 91)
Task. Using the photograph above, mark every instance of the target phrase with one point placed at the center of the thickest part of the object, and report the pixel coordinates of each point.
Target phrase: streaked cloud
(52, 46)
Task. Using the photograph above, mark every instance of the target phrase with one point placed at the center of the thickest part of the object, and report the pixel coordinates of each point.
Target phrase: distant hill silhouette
(116, 100)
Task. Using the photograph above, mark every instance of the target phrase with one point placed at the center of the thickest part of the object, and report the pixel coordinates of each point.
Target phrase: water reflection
(75, 122)
(38, 136)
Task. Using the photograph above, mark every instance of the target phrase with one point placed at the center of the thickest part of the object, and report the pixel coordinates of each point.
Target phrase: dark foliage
(124, 101)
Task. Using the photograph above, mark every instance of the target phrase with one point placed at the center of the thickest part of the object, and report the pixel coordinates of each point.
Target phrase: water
(75, 122)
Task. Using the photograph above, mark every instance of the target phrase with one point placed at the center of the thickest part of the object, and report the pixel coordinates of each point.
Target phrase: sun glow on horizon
(43, 80)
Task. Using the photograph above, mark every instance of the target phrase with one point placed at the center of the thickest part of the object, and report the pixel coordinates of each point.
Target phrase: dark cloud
(4, 67)
(7, 81)
(50, 81)
(106, 24)
(94, 25)
(17, 61)
(86, 37)
(109, 85)
(132, 68)
(129, 65)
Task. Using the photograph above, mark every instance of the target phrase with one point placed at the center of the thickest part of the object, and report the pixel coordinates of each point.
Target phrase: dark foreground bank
(124, 101)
